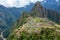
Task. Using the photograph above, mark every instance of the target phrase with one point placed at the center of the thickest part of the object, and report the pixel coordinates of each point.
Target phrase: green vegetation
(36, 29)
(45, 34)
(23, 18)
(37, 19)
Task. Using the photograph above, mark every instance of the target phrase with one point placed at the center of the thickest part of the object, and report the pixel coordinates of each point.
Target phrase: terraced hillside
(34, 27)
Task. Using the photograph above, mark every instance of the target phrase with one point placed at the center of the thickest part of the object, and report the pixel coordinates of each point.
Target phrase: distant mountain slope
(6, 19)
(52, 4)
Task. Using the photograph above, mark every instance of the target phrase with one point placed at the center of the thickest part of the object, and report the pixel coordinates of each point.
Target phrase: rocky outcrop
(38, 10)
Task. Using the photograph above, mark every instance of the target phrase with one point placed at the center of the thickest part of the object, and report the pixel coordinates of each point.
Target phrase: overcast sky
(17, 3)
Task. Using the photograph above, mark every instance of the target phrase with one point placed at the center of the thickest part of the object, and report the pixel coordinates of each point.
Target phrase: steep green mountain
(38, 25)
(39, 10)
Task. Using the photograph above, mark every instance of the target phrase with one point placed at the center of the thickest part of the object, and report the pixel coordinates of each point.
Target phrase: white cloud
(57, 0)
(17, 3)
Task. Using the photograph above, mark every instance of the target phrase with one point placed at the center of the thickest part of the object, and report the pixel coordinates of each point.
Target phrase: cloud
(57, 0)
(17, 3)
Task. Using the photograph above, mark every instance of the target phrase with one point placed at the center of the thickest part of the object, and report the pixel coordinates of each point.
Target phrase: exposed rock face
(39, 10)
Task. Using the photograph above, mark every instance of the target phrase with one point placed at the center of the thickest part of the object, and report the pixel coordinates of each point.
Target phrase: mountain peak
(38, 10)
(38, 4)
